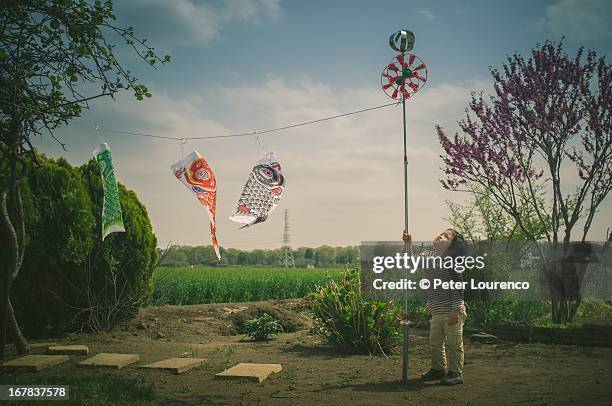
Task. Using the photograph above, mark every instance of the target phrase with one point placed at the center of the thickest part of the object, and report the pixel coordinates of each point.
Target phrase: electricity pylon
(286, 257)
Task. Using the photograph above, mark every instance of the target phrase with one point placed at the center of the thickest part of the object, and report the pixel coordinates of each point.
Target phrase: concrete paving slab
(251, 371)
(176, 365)
(75, 349)
(44, 346)
(35, 362)
(35, 347)
(109, 360)
(484, 337)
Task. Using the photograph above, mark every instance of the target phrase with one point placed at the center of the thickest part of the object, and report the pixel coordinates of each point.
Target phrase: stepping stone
(68, 349)
(41, 345)
(484, 337)
(36, 346)
(203, 319)
(253, 372)
(176, 365)
(108, 360)
(35, 362)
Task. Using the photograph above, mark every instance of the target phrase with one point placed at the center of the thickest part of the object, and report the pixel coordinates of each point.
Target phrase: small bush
(260, 328)
(596, 309)
(349, 322)
(551, 324)
(492, 313)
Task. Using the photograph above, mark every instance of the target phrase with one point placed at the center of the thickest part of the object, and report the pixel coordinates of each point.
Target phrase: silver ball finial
(402, 40)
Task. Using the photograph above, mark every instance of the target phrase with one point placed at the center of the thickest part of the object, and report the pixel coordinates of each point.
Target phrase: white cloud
(425, 12)
(579, 20)
(181, 22)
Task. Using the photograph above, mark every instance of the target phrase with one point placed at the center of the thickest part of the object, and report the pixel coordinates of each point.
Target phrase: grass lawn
(89, 387)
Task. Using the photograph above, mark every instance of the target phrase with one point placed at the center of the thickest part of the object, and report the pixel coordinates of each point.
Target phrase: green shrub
(260, 328)
(58, 221)
(71, 279)
(596, 309)
(120, 267)
(553, 325)
(349, 322)
(491, 313)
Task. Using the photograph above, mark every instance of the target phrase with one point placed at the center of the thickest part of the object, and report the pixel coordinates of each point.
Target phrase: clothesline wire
(245, 134)
(128, 132)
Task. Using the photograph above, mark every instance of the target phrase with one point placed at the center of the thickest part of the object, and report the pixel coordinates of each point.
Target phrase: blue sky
(344, 42)
(248, 65)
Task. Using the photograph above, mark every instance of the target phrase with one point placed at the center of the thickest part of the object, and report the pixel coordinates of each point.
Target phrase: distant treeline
(323, 256)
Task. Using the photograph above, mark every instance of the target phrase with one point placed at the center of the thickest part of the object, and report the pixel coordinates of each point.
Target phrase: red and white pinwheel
(404, 76)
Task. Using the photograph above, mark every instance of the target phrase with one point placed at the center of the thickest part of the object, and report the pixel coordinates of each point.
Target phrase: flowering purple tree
(549, 112)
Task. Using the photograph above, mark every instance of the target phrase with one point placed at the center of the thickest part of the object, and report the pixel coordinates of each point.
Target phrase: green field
(198, 285)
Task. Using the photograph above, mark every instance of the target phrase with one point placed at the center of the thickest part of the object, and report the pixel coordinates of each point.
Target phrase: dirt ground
(314, 374)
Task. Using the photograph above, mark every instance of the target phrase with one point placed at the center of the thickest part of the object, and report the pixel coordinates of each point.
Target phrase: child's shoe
(451, 378)
(432, 375)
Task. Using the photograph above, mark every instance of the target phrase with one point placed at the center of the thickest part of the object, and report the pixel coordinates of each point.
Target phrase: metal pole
(405, 318)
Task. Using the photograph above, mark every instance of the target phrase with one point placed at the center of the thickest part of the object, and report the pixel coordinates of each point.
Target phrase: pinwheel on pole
(401, 79)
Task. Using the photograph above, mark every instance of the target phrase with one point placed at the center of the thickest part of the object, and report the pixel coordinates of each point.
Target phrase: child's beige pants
(441, 337)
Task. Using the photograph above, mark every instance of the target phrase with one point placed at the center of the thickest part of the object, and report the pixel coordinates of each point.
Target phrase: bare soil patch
(313, 373)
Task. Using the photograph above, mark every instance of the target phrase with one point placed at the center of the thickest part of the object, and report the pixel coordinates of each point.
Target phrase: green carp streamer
(112, 221)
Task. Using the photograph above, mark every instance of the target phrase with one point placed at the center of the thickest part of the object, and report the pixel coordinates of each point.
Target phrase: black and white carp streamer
(261, 192)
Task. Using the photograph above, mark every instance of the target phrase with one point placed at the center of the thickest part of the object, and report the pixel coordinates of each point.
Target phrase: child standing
(448, 313)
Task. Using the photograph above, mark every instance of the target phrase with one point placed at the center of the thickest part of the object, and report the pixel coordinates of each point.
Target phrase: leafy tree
(179, 258)
(208, 256)
(55, 57)
(325, 255)
(205, 256)
(309, 254)
(549, 112)
(483, 218)
(231, 256)
(305, 257)
(257, 257)
(347, 255)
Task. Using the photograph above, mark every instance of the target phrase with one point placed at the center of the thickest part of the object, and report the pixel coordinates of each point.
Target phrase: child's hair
(458, 245)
